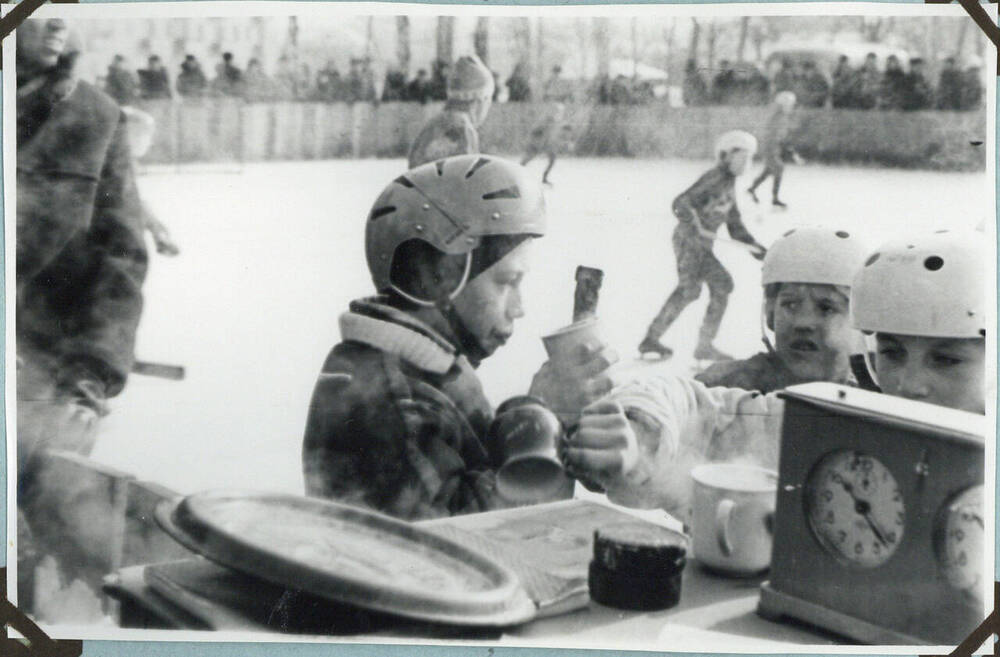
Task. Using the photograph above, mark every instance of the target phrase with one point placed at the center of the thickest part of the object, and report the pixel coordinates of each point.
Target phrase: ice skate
(652, 346)
(753, 194)
(708, 352)
(780, 205)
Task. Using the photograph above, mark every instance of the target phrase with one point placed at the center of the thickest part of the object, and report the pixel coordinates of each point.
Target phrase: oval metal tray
(348, 555)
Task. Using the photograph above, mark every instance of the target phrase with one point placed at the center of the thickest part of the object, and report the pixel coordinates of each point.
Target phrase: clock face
(960, 541)
(855, 508)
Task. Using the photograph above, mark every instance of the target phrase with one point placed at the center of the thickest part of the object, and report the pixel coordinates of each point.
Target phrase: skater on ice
(455, 130)
(807, 276)
(776, 147)
(921, 306)
(141, 127)
(700, 211)
(399, 421)
(548, 138)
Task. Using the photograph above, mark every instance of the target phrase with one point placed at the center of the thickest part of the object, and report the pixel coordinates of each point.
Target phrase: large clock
(878, 532)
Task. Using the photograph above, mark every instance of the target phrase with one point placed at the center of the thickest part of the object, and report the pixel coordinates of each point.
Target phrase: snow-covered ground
(272, 254)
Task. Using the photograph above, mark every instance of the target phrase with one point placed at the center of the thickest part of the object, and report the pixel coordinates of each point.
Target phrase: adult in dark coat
(917, 94)
(785, 79)
(518, 86)
(949, 91)
(869, 84)
(191, 81)
(893, 87)
(81, 262)
(695, 89)
(724, 84)
(154, 82)
(972, 88)
(121, 83)
(813, 85)
(843, 94)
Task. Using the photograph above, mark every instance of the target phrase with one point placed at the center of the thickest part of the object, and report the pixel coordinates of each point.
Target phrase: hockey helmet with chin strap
(735, 139)
(452, 205)
(812, 255)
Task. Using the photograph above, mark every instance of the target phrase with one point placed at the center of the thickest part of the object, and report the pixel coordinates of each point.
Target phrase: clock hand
(863, 508)
(874, 527)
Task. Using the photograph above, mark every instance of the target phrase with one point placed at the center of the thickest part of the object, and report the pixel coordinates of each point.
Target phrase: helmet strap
(468, 344)
(430, 303)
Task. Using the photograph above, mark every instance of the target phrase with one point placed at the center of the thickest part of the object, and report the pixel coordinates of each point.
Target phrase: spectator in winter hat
(454, 130)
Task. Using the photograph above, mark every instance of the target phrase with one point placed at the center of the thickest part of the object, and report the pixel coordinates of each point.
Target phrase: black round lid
(640, 548)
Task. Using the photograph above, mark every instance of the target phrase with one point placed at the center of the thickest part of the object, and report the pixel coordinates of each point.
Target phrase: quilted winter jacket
(398, 420)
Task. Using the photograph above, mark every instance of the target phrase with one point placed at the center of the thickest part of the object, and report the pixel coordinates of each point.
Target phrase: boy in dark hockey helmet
(455, 130)
(700, 211)
(399, 421)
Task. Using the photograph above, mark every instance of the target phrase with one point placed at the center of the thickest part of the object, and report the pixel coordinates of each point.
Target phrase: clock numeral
(891, 537)
(828, 495)
(876, 548)
(885, 475)
(958, 535)
(896, 497)
(866, 465)
(842, 536)
(858, 548)
(899, 518)
(829, 517)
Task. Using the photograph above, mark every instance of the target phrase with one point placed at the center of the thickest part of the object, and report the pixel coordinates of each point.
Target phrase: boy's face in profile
(945, 371)
(737, 161)
(812, 331)
(491, 302)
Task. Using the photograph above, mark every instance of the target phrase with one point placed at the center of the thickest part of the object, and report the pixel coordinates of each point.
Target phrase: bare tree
(602, 45)
(711, 46)
(668, 38)
(695, 38)
(741, 45)
(481, 38)
(538, 70)
(961, 39)
(758, 37)
(445, 41)
(403, 44)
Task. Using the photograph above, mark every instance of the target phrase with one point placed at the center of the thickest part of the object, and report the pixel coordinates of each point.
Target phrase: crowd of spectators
(866, 87)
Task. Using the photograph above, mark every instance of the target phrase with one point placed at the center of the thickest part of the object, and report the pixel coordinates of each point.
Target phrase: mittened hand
(567, 386)
(604, 446)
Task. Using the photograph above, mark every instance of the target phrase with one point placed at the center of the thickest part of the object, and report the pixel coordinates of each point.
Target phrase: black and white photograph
(634, 327)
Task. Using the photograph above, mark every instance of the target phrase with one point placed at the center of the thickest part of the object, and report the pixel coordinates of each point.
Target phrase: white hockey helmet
(812, 254)
(452, 204)
(785, 99)
(930, 285)
(734, 139)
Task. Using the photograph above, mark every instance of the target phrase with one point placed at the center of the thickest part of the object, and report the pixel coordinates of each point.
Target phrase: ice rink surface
(271, 254)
